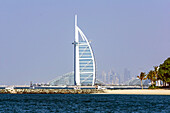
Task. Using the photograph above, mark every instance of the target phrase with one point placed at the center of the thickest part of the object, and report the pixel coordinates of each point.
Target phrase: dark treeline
(158, 74)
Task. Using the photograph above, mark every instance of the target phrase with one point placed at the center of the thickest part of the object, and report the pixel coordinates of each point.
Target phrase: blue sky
(36, 36)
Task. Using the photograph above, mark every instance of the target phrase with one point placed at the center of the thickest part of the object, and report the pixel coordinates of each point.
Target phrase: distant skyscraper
(116, 81)
(84, 62)
(114, 78)
(104, 77)
(111, 76)
(126, 75)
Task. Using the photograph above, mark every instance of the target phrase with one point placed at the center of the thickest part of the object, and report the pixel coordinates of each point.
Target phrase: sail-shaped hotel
(84, 61)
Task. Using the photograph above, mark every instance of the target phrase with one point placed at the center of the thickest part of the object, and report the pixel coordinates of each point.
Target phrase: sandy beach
(139, 92)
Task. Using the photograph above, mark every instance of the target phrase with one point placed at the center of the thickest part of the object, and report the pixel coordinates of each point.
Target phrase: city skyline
(113, 78)
(36, 37)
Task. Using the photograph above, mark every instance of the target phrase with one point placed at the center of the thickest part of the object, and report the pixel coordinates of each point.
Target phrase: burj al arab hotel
(84, 61)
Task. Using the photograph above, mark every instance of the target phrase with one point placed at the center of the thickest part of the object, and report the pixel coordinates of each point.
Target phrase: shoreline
(50, 91)
(88, 91)
(138, 92)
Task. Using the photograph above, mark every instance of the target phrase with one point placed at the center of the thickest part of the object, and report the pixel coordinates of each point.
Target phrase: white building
(84, 61)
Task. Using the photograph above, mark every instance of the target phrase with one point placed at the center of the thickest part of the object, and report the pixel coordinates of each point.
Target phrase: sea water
(95, 103)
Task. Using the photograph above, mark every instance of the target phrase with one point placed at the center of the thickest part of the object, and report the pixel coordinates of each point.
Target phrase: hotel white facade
(84, 61)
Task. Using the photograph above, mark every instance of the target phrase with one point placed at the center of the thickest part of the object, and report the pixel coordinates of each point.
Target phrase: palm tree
(142, 77)
(155, 69)
(152, 76)
(155, 73)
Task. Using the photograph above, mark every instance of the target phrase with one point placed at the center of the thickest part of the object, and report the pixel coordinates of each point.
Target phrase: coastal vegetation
(153, 77)
(164, 72)
(142, 77)
(160, 74)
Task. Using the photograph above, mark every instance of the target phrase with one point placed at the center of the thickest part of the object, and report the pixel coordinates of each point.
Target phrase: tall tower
(84, 62)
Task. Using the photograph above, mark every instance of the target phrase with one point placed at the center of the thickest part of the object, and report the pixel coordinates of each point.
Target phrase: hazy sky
(36, 36)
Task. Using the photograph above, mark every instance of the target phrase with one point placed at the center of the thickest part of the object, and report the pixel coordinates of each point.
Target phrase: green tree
(153, 75)
(142, 77)
(156, 71)
(150, 76)
(164, 72)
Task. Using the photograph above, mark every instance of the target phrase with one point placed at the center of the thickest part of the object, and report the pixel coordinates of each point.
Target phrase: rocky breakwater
(50, 91)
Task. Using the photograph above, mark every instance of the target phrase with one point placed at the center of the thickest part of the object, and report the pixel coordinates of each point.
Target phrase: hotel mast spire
(84, 62)
(76, 55)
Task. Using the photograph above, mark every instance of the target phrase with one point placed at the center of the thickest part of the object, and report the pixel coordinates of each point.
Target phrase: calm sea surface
(43, 103)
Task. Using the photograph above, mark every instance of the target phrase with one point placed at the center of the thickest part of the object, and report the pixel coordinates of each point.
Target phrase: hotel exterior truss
(84, 61)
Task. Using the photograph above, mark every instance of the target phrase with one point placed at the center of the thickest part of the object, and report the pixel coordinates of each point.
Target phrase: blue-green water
(43, 103)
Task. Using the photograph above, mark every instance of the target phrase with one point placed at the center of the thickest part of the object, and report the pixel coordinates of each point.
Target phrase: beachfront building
(84, 62)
